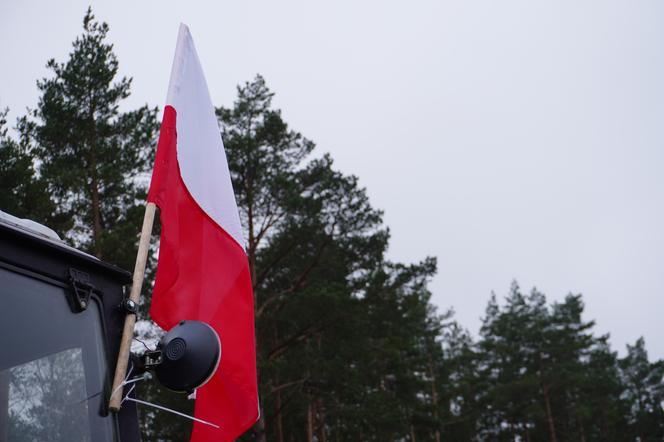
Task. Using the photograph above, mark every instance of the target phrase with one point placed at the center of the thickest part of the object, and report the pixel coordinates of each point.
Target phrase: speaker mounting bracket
(81, 290)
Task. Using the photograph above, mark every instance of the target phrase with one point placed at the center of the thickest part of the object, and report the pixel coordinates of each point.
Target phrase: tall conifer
(92, 156)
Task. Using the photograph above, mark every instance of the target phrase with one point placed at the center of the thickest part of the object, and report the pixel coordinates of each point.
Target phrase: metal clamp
(129, 306)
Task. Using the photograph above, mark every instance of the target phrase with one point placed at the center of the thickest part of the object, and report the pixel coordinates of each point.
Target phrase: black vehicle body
(58, 348)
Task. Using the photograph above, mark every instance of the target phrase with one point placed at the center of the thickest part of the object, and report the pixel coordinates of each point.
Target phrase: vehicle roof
(42, 236)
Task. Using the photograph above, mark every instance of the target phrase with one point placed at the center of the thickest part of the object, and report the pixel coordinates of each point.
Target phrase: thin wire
(144, 344)
(128, 393)
(149, 404)
(133, 381)
(124, 382)
(142, 377)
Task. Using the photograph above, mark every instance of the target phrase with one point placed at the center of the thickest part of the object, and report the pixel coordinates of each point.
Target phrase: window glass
(47, 399)
(53, 370)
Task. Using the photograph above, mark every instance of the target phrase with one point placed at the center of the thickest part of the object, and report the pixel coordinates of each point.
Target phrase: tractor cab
(61, 318)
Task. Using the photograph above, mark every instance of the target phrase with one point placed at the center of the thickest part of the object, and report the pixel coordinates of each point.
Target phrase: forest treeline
(349, 346)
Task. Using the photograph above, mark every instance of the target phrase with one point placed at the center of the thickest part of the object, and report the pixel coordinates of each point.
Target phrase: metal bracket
(129, 306)
(81, 289)
(145, 362)
(151, 359)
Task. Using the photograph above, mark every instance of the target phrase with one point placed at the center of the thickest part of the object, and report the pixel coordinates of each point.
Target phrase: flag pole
(130, 319)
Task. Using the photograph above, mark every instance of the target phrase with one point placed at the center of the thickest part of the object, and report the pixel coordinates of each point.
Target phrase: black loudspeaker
(190, 354)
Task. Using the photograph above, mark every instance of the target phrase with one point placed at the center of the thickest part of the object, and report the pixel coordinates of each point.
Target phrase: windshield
(53, 365)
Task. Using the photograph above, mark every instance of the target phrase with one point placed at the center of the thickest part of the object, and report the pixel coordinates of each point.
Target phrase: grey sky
(511, 139)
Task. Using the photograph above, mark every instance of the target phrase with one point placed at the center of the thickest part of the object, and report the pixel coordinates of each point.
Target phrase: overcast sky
(511, 139)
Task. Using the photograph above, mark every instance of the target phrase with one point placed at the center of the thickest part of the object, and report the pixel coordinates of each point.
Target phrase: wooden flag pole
(130, 319)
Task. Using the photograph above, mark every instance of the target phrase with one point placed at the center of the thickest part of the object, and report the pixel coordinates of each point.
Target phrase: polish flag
(203, 273)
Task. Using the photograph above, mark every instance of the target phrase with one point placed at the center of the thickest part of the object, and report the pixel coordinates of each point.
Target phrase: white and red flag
(203, 273)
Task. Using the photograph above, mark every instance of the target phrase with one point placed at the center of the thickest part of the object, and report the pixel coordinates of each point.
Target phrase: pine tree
(335, 352)
(542, 375)
(568, 345)
(644, 391)
(511, 337)
(461, 385)
(24, 193)
(601, 409)
(92, 157)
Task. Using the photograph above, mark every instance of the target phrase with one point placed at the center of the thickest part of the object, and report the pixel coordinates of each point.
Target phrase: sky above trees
(510, 140)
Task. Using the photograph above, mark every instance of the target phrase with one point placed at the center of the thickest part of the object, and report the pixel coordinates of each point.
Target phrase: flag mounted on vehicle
(203, 272)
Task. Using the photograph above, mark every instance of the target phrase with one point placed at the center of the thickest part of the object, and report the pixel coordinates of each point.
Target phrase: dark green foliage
(538, 373)
(644, 393)
(93, 158)
(314, 246)
(24, 194)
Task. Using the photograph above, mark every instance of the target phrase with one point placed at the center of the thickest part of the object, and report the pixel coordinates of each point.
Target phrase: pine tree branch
(299, 337)
(299, 283)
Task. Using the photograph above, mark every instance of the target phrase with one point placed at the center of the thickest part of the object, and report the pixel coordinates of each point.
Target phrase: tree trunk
(549, 415)
(261, 425)
(279, 428)
(434, 397)
(514, 431)
(310, 422)
(94, 183)
(321, 421)
(412, 433)
(582, 430)
(260, 428)
(604, 427)
(96, 206)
